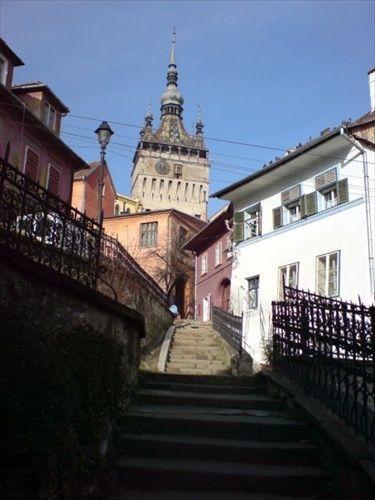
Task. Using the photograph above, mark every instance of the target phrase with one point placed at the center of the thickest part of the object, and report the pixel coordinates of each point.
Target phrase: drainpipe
(370, 245)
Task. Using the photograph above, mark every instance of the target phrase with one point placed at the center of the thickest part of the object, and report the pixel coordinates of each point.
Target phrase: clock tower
(171, 167)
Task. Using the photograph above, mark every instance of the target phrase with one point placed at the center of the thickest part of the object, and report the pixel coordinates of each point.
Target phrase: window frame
(247, 223)
(218, 253)
(284, 275)
(253, 292)
(4, 68)
(50, 116)
(148, 234)
(56, 181)
(30, 165)
(322, 284)
(204, 263)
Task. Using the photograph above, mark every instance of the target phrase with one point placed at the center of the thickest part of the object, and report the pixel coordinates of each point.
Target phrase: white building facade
(308, 220)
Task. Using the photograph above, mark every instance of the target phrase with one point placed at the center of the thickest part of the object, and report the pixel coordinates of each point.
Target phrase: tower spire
(171, 100)
(173, 50)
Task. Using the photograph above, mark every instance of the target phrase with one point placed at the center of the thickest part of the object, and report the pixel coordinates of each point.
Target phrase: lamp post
(104, 134)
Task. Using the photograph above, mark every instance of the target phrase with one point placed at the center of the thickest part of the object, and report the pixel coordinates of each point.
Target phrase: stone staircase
(196, 350)
(214, 438)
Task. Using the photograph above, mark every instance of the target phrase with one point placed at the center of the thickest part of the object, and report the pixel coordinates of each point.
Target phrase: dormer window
(3, 70)
(49, 116)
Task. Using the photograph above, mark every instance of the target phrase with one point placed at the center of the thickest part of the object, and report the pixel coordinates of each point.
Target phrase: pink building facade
(30, 121)
(212, 248)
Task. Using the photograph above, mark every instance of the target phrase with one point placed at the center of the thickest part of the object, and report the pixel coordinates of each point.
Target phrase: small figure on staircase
(174, 311)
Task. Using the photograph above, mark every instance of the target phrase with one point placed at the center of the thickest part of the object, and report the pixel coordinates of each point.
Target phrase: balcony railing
(39, 226)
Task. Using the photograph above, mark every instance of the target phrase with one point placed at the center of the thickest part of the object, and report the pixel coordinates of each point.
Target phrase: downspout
(370, 245)
(195, 286)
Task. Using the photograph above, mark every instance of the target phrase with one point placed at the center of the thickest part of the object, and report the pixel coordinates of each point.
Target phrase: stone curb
(163, 355)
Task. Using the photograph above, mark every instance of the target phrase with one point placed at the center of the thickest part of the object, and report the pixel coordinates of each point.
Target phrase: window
(229, 247)
(288, 275)
(294, 207)
(3, 70)
(327, 274)
(218, 254)
(253, 292)
(149, 234)
(177, 171)
(31, 164)
(290, 200)
(332, 194)
(53, 182)
(293, 212)
(204, 266)
(247, 223)
(49, 116)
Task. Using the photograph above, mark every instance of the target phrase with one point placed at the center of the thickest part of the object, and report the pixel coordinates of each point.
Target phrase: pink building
(85, 191)
(30, 122)
(212, 247)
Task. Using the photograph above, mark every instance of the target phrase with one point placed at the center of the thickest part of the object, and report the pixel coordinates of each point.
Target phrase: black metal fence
(43, 228)
(39, 226)
(229, 326)
(328, 347)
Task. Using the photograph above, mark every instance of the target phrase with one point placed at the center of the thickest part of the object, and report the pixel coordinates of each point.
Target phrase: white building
(307, 218)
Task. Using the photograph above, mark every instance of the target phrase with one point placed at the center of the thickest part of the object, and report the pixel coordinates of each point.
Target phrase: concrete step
(205, 437)
(225, 423)
(137, 494)
(190, 351)
(203, 383)
(202, 475)
(222, 450)
(194, 363)
(240, 401)
(200, 356)
(196, 371)
(204, 342)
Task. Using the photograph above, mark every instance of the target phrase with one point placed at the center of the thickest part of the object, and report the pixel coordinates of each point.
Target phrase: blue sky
(266, 75)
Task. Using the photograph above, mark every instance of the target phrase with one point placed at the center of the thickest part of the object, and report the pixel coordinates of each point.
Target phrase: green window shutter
(325, 179)
(342, 191)
(277, 217)
(311, 204)
(259, 222)
(238, 226)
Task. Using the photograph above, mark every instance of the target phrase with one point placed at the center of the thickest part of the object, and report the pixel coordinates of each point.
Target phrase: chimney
(371, 81)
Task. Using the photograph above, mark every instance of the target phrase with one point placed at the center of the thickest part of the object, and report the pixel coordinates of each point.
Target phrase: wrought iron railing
(229, 326)
(328, 347)
(113, 252)
(40, 226)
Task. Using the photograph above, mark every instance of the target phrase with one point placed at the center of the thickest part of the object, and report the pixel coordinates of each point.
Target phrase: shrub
(59, 388)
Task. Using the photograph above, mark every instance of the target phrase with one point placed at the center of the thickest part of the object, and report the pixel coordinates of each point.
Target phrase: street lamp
(104, 134)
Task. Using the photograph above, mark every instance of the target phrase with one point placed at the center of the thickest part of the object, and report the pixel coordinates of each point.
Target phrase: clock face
(162, 167)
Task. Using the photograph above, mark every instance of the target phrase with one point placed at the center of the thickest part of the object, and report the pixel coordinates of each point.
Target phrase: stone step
(204, 383)
(193, 333)
(205, 437)
(228, 423)
(207, 355)
(197, 371)
(195, 363)
(192, 342)
(238, 401)
(222, 450)
(190, 351)
(162, 494)
(220, 476)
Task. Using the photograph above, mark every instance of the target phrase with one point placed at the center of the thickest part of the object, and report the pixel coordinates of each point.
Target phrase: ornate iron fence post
(372, 317)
